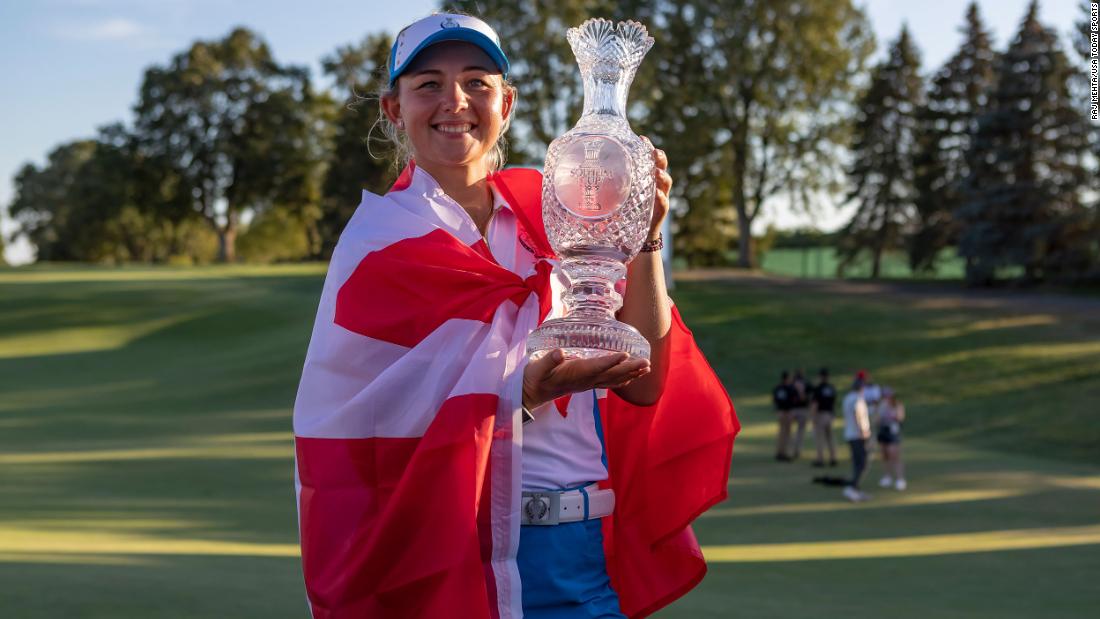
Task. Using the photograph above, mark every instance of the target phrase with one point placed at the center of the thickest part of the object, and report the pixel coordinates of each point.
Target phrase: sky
(70, 66)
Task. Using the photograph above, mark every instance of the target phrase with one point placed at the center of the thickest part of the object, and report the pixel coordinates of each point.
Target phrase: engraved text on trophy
(592, 179)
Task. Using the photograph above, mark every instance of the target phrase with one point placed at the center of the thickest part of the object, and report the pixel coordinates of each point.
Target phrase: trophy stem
(591, 291)
(589, 328)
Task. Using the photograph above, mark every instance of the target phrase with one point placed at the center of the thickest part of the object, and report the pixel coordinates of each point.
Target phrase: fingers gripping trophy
(597, 197)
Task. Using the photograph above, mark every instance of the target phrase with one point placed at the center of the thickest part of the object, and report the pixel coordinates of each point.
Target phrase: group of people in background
(797, 402)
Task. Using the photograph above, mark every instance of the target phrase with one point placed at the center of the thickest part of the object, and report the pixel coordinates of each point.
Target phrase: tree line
(760, 104)
(994, 156)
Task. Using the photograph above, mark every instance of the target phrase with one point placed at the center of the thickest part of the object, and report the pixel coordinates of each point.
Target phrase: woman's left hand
(645, 302)
(664, 184)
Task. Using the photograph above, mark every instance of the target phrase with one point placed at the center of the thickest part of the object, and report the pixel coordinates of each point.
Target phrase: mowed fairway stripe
(915, 546)
(228, 452)
(54, 546)
(158, 274)
(244, 446)
(24, 541)
(926, 498)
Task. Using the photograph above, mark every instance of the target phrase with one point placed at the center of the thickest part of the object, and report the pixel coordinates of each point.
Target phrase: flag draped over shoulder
(408, 434)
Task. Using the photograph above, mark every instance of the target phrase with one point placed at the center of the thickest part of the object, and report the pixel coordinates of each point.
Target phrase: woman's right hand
(553, 376)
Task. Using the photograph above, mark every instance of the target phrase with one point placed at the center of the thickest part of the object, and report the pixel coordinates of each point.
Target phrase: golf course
(146, 453)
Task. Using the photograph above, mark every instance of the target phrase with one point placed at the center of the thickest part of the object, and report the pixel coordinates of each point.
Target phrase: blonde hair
(497, 155)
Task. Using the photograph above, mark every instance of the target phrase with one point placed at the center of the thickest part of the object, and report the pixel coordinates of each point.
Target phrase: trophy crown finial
(600, 41)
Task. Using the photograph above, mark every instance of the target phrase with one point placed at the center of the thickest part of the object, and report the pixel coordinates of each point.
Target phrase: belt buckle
(542, 508)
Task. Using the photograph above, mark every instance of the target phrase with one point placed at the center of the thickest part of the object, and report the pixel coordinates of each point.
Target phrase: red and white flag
(407, 424)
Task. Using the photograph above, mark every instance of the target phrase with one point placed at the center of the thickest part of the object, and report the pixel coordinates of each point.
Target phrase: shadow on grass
(180, 435)
(166, 587)
(160, 428)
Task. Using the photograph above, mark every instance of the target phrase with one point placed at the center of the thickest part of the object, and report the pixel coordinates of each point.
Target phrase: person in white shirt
(872, 395)
(857, 429)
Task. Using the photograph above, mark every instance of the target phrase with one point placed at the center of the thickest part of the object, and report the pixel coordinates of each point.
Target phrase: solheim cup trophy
(597, 197)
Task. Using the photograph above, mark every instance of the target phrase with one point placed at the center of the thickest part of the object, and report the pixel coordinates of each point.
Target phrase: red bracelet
(654, 245)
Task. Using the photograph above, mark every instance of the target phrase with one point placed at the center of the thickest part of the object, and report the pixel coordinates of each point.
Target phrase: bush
(275, 236)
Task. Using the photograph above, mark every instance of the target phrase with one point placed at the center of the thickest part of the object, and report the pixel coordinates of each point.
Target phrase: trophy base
(582, 337)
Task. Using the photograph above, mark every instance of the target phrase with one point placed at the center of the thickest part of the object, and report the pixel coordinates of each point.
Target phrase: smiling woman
(448, 109)
(440, 470)
(476, 75)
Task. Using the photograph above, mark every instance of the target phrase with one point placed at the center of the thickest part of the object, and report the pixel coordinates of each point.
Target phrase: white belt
(549, 507)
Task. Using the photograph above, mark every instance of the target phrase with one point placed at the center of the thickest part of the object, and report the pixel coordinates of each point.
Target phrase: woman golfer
(440, 473)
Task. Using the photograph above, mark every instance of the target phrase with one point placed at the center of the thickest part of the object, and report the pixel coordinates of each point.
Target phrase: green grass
(821, 262)
(146, 457)
(1025, 381)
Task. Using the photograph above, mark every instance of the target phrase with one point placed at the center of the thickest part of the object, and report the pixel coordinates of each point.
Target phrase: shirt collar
(499, 203)
(424, 184)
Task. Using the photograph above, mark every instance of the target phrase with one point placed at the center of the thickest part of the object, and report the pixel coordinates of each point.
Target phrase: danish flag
(408, 434)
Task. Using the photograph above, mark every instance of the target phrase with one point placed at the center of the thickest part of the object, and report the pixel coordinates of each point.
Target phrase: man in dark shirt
(783, 398)
(800, 410)
(823, 401)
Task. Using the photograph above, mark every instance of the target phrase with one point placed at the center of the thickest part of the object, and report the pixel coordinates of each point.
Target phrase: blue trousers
(859, 460)
(563, 572)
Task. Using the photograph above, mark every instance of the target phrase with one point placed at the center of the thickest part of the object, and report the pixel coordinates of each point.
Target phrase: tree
(236, 128)
(882, 172)
(669, 96)
(43, 207)
(96, 201)
(532, 34)
(1023, 206)
(749, 97)
(357, 71)
(777, 83)
(958, 96)
(663, 105)
(111, 221)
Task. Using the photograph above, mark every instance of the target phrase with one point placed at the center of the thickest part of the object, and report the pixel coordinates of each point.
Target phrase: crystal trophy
(597, 197)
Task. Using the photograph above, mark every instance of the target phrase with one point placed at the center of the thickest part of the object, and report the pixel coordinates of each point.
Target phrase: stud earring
(401, 124)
